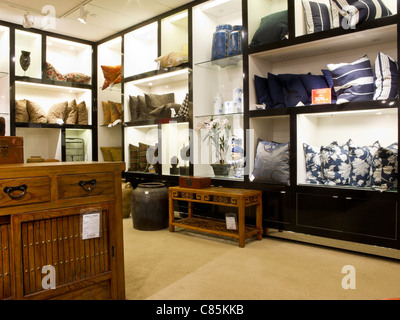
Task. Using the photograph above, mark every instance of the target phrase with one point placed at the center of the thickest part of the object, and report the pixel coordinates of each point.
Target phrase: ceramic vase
(235, 44)
(25, 60)
(221, 41)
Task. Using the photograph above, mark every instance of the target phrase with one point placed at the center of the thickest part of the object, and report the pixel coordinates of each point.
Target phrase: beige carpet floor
(160, 265)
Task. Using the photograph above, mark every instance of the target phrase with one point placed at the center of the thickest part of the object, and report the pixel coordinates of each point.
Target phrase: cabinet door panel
(370, 217)
(5, 262)
(319, 211)
(276, 207)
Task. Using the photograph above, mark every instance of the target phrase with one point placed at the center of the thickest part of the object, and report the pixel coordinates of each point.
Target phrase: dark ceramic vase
(149, 206)
(25, 60)
(221, 169)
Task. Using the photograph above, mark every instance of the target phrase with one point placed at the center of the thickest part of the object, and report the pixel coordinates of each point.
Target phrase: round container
(220, 41)
(149, 206)
(235, 44)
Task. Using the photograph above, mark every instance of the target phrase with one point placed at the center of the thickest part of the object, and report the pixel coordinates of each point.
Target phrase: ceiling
(105, 18)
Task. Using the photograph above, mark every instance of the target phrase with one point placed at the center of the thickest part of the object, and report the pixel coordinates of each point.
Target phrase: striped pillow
(317, 16)
(349, 13)
(386, 83)
(353, 81)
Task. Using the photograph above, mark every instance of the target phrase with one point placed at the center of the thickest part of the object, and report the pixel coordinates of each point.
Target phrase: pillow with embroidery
(313, 164)
(385, 168)
(53, 74)
(335, 164)
(112, 75)
(56, 113)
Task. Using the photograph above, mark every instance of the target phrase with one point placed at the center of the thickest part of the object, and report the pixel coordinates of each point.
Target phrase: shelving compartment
(29, 42)
(4, 76)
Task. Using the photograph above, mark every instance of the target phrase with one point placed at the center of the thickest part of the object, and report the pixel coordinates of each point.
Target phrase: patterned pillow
(386, 73)
(77, 77)
(185, 108)
(335, 164)
(143, 164)
(154, 101)
(115, 112)
(71, 113)
(165, 110)
(317, 16)
(53, 74)
(112, 75)
(57, 112)
(313, 164)
(272, 163)
(36, 112)
(361, 159)
(353, 81)
(349, 13)
(21, 114)
(385, 168)
(82, 117)
(133, 157)
(134, 107)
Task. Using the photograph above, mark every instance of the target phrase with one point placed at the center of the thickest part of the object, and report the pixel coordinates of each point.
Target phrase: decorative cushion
(82, 113)
(262, 91)
(71, 113)
(185, 109)
(36, 112)
(386, 73)
(106, 113)
(293, 90)
(143, 112)
(57, 112)
(115, 114)
(311, 82)
(106, 153)
(385, 168)
(116, 153)
(53, 74)
(173, 59)
(77, 77)
(361, 159)
(273, 28)
(317, 16)
(335, 164)
(133, 157)
(21, 114)
(112, 75)
(271, 164)
(134, 107)
(154, 101)
(276, 91)
(329, 80)
(313, 164)
(353, 81)
(143, 164)
(349, 13)
(165, 110)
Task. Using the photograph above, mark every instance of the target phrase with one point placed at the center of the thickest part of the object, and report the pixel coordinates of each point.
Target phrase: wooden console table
(239, 198)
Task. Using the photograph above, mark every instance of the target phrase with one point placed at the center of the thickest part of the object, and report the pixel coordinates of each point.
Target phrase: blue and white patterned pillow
(361, 159)
(353, 81)
(317, 16)
(386, 81)
(349, 13)
(313, 164)
(272, 163)
(385, 168)
(335, 164)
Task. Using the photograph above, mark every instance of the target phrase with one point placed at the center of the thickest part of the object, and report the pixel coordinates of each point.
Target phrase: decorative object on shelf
(186, 109)
(237, 157)
(169, 110)
(126, 198)
(229, 107)
(273, 28)
(194, 182)
(56, 114)
(237, 99)
(317, 16)
(217, 132)
(218, 104)
(111, 153)
(36, 112)
(185, 156)
(173, 59)
(53, 74)
(115, 113)
(221, 169)
(174, 165)
(385, 168)
(11, 149)
(112, 75)
(71, 113)
(335, 164)
(220, 41)
(21, 113)
(83, 117)
(386, 81)
(149, 206)
(75, 77)
(133, 158)
(25, 60)
(235, 44)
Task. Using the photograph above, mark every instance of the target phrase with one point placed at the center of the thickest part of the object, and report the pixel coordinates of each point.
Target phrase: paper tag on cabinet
(91, 222)
(231, 221)
(319, 96)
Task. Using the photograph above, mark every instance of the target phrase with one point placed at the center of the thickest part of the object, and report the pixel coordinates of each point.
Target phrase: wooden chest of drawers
(42, 206)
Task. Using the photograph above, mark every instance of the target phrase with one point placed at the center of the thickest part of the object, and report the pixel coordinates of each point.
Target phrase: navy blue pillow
(273, 28)
(293, 90)
(276, 91)
(311, 82)
(262, 91)
(329, 80)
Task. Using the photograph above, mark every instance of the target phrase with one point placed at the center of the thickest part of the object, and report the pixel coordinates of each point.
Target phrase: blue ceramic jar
(235, 45)
(221, 41)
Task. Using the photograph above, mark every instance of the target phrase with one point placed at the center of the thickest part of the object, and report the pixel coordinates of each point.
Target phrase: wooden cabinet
(42, 226)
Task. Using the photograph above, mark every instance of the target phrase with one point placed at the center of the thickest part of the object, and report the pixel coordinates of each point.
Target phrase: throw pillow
(134, 107)
(293, 90)
(329, 80)
(112, 75)
(114, 111)
(57, 112)
(82, 113)
(36, 112)
(21, 114)
(143, 112)
(311, 82)
(262, 91)
(106, 153)
(386, 77)
(116, 153)
(77, 77)
(353, 81)
(361, 159)
(271, 164)
(349, 13)
(165, 110)
(385, 168)
(53, 74)
(185, 109)
(133, 157)
(154, 101)
(273, 28)
(143, 164)
(71, 113)
(276, 91)
(317, 16)
(313, 164)
(335, 164)
(106, 113)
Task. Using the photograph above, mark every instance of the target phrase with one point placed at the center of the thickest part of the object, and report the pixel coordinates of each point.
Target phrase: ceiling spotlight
(83, 15)
(27, 22)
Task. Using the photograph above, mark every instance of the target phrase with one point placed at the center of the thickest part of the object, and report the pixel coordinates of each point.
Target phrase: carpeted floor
(160, 265)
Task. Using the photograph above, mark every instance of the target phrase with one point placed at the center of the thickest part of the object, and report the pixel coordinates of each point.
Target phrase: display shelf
(235, 61)
(160, 77)
(30, 42)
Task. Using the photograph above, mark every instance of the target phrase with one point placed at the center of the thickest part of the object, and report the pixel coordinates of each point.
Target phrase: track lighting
(27, 21)
(83, 15)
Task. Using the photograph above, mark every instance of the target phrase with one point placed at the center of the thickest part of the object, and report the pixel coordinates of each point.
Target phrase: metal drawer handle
(10, 190)
(88, 185)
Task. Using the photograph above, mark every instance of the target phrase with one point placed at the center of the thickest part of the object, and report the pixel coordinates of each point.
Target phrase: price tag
(321, 96)
(91, 225)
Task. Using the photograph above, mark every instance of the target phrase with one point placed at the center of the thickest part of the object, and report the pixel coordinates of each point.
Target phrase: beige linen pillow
(57, 112)
(36, 112)
(21, 114)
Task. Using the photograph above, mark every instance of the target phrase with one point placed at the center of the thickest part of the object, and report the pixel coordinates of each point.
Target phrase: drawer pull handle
(88, 185)
(10, 190)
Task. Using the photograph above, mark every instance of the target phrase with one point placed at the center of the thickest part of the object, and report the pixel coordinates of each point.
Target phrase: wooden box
(194, 182)
(11, 150)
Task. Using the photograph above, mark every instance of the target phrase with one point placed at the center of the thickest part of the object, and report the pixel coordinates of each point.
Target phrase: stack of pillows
(353, 81)
(63, 112)
(143, 158)
(348, 164)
